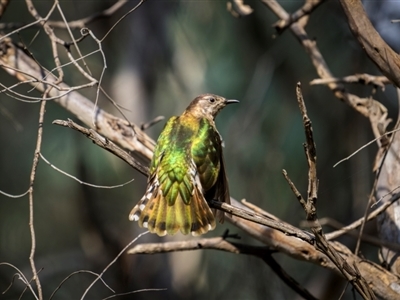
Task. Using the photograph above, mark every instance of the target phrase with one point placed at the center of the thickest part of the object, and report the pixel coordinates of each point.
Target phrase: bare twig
(112, 262)
(350, 272)
(82, 182)
(356, 224)
(74, 41)
(151, 123)
(355, 233)
(14, 196)
(79, 272)
(123, 17)
(134, 292)
(31, 183)
(367, 79)
(22, 277)
(85, 21)
(308, 7)
(104, 143)
(80, 23)
(366, 145)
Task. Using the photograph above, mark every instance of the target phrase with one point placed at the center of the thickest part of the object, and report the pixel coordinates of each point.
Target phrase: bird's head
(208, 105)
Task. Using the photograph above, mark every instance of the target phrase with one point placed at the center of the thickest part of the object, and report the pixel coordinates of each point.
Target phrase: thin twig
(112, 262)
(21, 277)
(103, 70)
(84, 21)
(14, 196)
(79, 272)
(31, 183)
(72, 38)
(147, 125)
(367, 79)
(356, 224)
(134, 292)
(82, 182)
(123, 17)
(365, 146)
(355, 233)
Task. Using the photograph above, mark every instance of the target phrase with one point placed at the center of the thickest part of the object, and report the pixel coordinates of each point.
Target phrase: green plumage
(186, 170)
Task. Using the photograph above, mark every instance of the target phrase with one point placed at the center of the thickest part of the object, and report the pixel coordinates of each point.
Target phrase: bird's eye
(212, 100)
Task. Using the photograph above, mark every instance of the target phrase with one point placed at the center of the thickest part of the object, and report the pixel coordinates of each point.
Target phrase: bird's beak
(230, 101)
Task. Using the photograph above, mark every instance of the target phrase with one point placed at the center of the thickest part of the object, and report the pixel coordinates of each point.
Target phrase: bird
(186, 171)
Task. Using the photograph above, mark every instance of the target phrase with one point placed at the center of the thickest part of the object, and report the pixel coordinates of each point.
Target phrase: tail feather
(153, 212)
(203, 215)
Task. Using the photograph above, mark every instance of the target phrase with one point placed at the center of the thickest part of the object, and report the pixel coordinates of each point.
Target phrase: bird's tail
(155, 213)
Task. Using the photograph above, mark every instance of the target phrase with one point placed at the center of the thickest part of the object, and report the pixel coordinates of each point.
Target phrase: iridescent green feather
(172, 159)
(206, 153)
(186, 171)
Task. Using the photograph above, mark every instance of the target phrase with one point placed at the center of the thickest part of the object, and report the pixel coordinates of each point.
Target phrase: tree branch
(105, 144)
(386, 59)
(368, 107)
(308, 7)
(220, 243)
(130, 137)
(350, 272)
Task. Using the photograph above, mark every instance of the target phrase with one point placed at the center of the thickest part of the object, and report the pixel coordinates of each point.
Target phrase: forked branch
(351, 273)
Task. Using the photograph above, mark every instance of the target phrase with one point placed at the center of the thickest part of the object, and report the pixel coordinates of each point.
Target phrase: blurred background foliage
(158, 59)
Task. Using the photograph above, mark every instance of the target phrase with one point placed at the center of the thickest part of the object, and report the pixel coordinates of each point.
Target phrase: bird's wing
(163, 142)
(222, 188)
(208, 157)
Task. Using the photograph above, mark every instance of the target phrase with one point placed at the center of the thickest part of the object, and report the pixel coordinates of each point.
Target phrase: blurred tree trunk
(387, 190)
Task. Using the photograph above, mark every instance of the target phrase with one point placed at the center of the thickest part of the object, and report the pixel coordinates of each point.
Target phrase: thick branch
(105, 144)
(387, 60)
(130, 137)
(220, 243)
